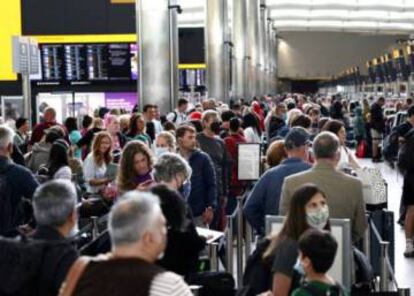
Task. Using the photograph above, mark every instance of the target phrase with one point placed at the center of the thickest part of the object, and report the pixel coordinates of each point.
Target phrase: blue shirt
(265, 196)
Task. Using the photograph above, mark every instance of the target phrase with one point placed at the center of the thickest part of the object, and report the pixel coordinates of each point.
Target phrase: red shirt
(231, 146)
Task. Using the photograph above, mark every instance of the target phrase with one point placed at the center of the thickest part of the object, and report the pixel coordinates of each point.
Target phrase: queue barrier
(342, 267)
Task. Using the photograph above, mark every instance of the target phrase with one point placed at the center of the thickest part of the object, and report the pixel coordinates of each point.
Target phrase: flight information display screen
(75, 62)
(52, 61)
(119, 61)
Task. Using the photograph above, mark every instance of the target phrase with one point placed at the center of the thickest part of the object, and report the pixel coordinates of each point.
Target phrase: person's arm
(209, 177)
(281, 284)
(352, 161)
(89, 169)
(226, 167)
(29, 184)
(284, 199)
(254, 207)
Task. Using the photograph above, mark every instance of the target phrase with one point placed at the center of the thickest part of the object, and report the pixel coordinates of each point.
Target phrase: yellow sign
(396, 53)
(122, 1)
(102, 38)
(10, 24)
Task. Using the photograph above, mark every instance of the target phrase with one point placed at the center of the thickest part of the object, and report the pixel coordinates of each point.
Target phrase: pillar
(239, 49)
(252, 47)
(216, 30)
(158, 53)
(262, 51)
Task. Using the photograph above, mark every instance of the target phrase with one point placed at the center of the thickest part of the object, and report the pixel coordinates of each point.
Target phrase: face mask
(215, 127)
(318, 218)
(185, 190)
(299, 267)
(160, 151)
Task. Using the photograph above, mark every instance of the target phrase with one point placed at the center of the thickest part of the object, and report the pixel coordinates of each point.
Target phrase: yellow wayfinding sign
(10, 24)
(122, 1)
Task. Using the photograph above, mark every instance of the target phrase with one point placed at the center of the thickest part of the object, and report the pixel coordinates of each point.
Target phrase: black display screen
(75, 62)
(97, 56)
(52, 61)
(119, 61)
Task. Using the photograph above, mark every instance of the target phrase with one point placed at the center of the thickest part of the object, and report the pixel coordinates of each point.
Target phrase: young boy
(317, 254)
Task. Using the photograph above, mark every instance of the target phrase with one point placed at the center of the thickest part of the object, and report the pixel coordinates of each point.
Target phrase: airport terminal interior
(206, 147)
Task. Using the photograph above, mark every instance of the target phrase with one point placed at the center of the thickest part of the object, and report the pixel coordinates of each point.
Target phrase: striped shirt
(169, 284)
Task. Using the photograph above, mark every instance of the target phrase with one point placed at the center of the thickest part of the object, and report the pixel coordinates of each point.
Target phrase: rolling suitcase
(384, 223)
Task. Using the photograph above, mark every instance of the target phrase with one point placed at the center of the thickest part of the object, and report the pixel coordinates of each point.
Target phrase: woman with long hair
(308, 209)
(135, 171)
(58, 164)
(252, 131)
(137, 129)
(95, 165)
(113, 127)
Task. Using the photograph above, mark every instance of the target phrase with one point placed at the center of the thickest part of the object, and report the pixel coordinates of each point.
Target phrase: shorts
(376, 135)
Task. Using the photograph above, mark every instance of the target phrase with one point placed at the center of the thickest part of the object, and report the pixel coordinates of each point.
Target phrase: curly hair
(126, 172)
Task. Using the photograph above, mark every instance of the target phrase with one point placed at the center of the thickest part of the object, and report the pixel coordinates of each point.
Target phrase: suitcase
(384, 222)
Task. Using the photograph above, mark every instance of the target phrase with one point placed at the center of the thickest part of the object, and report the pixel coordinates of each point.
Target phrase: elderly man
(343, 192)
(138, 235)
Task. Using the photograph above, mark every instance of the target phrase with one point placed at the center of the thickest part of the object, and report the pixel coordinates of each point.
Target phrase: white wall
(324, 54)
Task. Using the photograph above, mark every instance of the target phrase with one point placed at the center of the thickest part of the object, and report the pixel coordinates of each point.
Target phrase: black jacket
(58, 259)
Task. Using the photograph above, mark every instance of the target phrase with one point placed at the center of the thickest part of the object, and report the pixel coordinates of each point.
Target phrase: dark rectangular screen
(119, 61)
(52, 62)
(191, 45)
(75, 62)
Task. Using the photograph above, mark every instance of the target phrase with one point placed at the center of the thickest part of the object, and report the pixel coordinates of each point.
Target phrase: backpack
(7, 210)
(20, 265)
(405, 161)
(335, 290)
(390, 150)
(257, 274)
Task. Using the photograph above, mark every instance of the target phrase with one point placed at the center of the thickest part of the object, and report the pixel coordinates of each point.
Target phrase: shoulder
(169, 283)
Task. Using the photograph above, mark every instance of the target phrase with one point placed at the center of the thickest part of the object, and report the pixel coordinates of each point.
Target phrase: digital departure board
(52, 61)
(119, 61)
(75, 62)
(97, 61)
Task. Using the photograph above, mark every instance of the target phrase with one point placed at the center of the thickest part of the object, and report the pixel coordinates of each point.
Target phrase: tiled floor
(404, 268)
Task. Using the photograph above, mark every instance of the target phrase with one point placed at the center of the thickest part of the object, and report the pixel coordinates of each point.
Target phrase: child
(316, 256)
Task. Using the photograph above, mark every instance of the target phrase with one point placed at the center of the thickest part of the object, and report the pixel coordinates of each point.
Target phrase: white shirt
(177, 116)
(64, 173)
(92, 171)
(251, 135)
(169, 284)
(158, 126)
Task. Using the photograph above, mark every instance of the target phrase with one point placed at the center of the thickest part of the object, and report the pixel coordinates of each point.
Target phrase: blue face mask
(185, 190)
(299, 267)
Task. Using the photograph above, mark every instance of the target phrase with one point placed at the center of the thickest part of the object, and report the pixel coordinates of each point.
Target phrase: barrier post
(229, 245)
(214, 257)
(367, 242)
(239, 241)
(404, 292)
(95, 228)
(248, 240)
(384, 276)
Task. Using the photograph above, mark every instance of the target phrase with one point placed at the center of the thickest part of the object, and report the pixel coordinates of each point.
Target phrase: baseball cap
(297, 137)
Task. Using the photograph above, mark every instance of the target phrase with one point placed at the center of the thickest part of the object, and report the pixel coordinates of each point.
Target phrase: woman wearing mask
(164, 142)
(95, 165)
(135, 171)
(347, 159)
(308, 209)
(137, 129)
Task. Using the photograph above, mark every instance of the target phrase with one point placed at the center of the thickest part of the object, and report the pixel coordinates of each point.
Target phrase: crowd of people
(161, 176)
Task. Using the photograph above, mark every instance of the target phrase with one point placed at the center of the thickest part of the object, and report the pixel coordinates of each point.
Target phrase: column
(216, 55)
(239, 49)
(252, 47)
(158, 53)
(262, 51)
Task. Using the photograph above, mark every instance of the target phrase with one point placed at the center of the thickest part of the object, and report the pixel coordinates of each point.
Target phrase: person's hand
(208, 215)
(144, 186)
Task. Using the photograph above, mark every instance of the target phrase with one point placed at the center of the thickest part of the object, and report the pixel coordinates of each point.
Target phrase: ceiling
(365, 16)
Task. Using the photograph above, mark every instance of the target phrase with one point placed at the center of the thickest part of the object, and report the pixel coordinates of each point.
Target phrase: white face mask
(318, 218)
(160, 151)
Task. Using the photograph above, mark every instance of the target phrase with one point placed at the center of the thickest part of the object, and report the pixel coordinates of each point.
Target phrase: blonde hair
(96, 153)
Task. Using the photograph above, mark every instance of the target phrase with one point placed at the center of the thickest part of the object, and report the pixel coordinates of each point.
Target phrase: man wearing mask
(203, 195)
(343, 192)
(211, 144)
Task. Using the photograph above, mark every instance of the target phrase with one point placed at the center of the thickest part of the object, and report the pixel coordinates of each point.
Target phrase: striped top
(169, 284)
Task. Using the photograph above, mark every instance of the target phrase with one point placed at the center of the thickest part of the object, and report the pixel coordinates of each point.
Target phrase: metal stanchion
(239, 241)
(95, 228)
(367, 242)
(248, 240)
(214, 263)
(384, 275)
(404, 292)
(229, 245)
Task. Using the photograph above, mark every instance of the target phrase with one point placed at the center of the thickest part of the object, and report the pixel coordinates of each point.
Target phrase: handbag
(361, 151)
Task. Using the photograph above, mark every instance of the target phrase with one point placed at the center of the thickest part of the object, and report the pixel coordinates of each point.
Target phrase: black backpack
(20, 265)
(7, 210)
(257, 274)
(390, 150)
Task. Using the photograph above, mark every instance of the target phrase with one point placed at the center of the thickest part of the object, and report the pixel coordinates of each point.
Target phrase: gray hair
(132, 216)
(168, 137)
(54, 202)
(169, 165)
(326, 145)
(6, 136)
